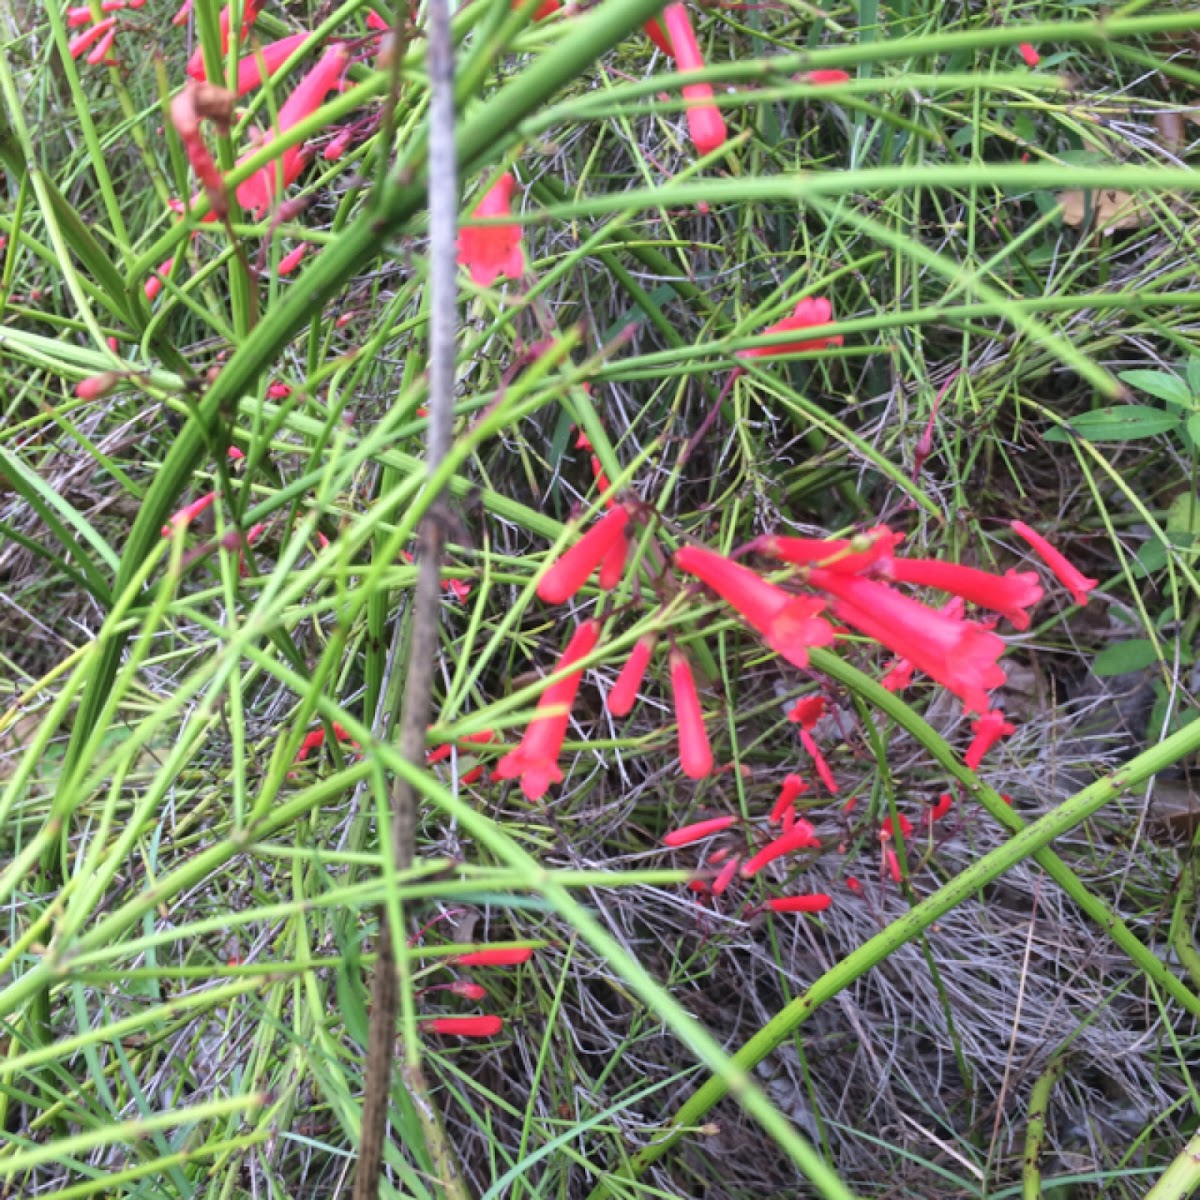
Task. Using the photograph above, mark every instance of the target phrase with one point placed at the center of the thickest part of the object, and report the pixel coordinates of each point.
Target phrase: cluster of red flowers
(101, 33)
(857, 582)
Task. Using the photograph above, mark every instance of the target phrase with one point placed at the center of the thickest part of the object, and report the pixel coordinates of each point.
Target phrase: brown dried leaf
(1109, 209)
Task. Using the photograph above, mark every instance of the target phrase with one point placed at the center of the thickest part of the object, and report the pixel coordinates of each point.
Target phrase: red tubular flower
(807, 711)
(945, 802)
(266, 61)
(467, 990)
(687, 834)
(802, 837)
(315, 738)
(486, 1026)
(815, 902)
(377, 22)
(654, 31)
(1070, 577)
(1009, 594)
(185, 117)
(822, 767)
(961, 655)
(989, 729)
(195, 65)
(1029, 54)
(725, 877)
(185, 11)
(812, 310)
(501, 956)
(787, 623)
(612, 566)
(572, 569)
(705, 123)
(96, 387)
(892, 861)
(887, 829)
(83, 41)
(848, 556)
(490, 251)
(256, 193)
(793, 786)
(154, 284)
(821, 78)
(290, 261)
(695, 754)
(898, 676)
(535, 760)
(547, 8)
(188, 513)
(624, 693)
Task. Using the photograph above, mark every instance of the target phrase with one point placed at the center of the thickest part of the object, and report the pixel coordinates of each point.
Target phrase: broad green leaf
(1124, 657)
(1162, 384)
(1117, 423)
(1193, 429)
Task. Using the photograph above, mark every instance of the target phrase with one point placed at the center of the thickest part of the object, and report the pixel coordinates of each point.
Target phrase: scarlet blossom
(338, 145)
(807, 711)
(467, 990)
(315, 738)
(945, 802)
(154, 284)
(989, 729)
(961, 655)
(266, 61)
(570, 572)
(854, 885)
(278, 391)
(718, 856)
(185, 116)
(824, 77)
(1029, 54)
(1010, 594)
(188, 513)
(89, 37)
(256, 193)
(793, 786)
(725, 877)
(811, 311)
(822, 767)
(695, 754)
(547, 8)
(815, 902)
(887, 829)
(468, 739)
(624, 693)
(195, 64)
(654, 31)
(185, 11)
(612, 565)
(685, 835)
(83, 15)
(705, 123)
(1069, 576)
(500, 956)
(290, 261)
(892, 862)
(96, 387)
(802, 837)
(491, 251)
(376, 22)
(535, 760)
(236, 453)
(849, 556)
(485, 1026)
(787, 623)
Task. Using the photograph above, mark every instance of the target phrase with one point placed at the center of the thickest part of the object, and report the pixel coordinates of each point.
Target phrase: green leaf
(1124, 657)
(1162, 384)
(1193, 375)
(1117, 423)
(1193, 428)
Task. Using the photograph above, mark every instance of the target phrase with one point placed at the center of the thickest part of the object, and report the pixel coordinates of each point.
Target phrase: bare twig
(422, 649)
